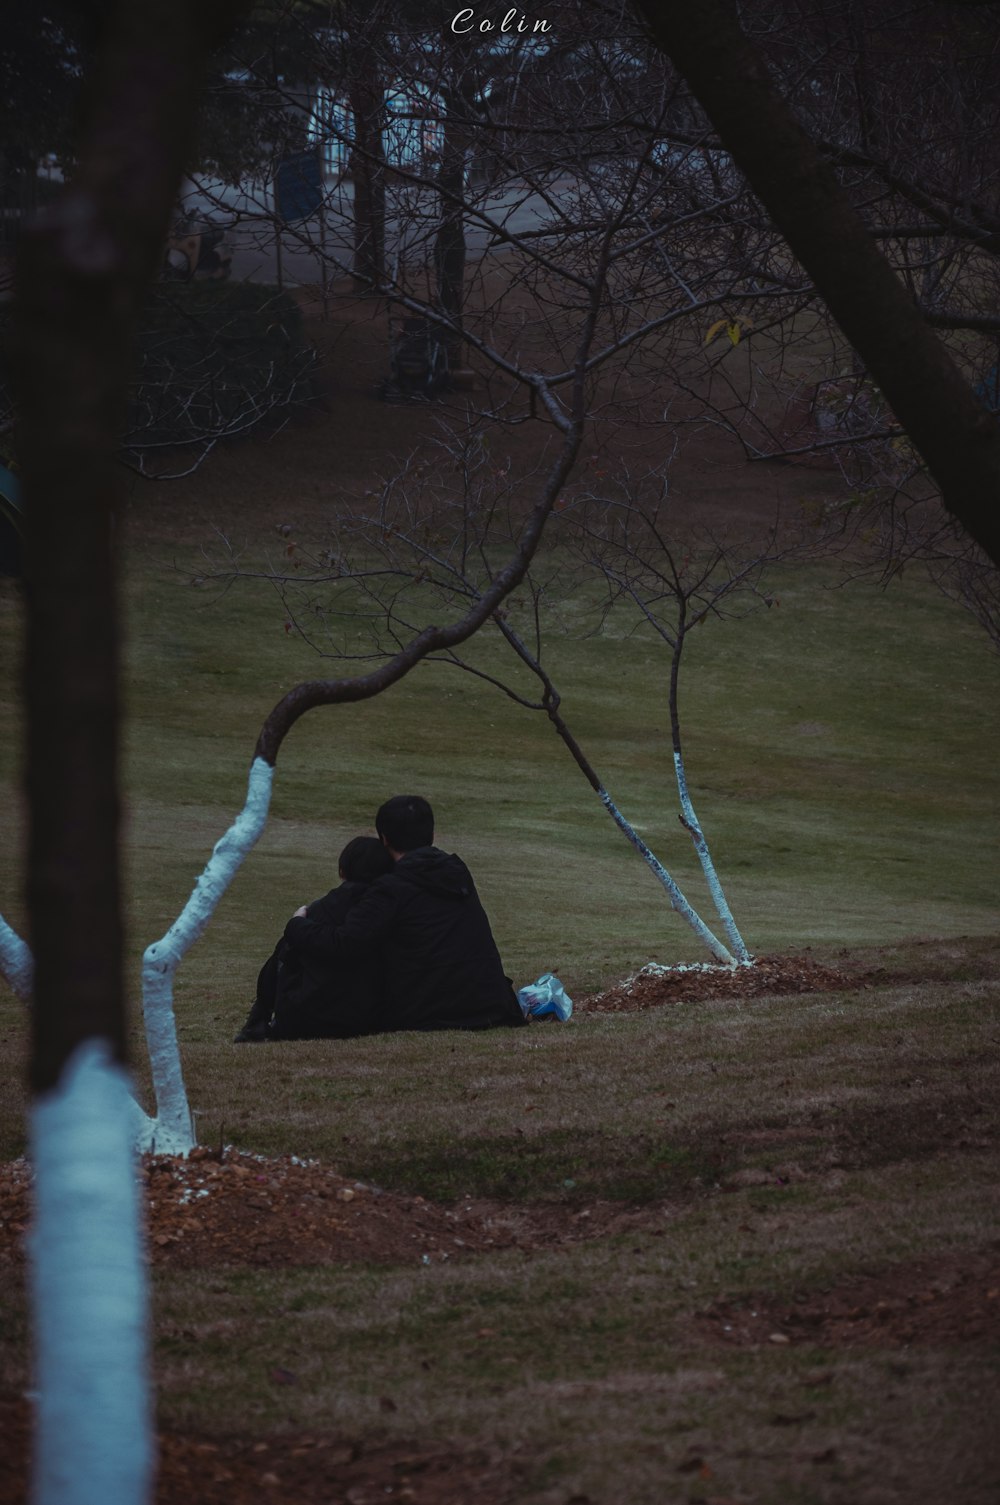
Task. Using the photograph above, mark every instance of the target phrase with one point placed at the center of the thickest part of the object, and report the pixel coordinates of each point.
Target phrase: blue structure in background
(412, 136)
(298, 185)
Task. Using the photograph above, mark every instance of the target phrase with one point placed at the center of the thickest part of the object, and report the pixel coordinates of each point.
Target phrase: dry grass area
(722, 1248)
(334, 449)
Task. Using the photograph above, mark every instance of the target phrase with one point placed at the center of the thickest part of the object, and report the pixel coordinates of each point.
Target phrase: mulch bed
(238, 1209)
(235, 1208)
(654, 986)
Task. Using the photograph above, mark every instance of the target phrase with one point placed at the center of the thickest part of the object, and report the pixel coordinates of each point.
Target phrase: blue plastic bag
(545, 999)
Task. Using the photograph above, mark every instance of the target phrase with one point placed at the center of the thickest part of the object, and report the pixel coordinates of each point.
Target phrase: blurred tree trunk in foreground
(83, 271)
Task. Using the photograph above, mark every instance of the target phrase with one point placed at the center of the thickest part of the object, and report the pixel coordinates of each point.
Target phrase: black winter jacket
(323, 997)
(424, 922)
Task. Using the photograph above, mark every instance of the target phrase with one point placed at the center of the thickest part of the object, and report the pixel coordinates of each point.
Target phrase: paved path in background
(410, 226)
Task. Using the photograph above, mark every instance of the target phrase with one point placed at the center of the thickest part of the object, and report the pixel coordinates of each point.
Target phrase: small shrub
(214, 361)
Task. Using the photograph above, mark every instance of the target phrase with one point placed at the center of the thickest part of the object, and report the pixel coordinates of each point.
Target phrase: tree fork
(311, 693)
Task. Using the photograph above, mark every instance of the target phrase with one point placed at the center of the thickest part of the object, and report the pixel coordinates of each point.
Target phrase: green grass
(875, 825)
(839, 750)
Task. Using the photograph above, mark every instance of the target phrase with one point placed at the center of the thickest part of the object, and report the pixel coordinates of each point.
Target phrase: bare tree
(439, 529)
(799, 189)
(213, 367)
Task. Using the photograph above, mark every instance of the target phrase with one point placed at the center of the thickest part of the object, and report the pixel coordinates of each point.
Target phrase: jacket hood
(436, 871)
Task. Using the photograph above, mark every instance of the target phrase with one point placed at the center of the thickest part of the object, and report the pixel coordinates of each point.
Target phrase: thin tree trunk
(958, 439)
(368, 171)
(692, 826)
(449, 244)
(688, 818)
(17, 964)
(550, 704)
(174, 1128)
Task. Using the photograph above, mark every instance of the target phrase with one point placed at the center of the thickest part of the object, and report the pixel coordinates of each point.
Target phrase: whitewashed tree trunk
(17, 965)
(677, 899)
(171, 1132)
(93, 1426)
(550, 703)
(692, 825)
(174, 1130)
(17, 968)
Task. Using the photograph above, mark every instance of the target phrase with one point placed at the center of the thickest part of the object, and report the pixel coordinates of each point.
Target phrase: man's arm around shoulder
(358, 933)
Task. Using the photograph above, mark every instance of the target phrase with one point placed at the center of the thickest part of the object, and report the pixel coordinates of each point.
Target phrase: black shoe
(256, 1029)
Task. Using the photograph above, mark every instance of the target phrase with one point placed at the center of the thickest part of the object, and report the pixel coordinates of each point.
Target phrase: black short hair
(406, 822)
(363, 860)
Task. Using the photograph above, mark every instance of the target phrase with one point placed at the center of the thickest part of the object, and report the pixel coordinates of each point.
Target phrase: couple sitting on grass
(404, 943)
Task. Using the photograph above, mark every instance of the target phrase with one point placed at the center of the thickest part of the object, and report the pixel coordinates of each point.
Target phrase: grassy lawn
(583, 1364)
(841, 750)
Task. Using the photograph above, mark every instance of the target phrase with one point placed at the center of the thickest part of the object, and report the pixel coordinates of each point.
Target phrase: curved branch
(311, 693)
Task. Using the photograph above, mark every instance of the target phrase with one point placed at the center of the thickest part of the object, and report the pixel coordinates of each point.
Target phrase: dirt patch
(242, 1209)
(933, 1302)
(237, 1209)
(305, 1468)
(655, 986)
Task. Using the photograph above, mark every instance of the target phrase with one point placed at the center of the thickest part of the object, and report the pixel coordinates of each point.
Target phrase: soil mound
(655, 986)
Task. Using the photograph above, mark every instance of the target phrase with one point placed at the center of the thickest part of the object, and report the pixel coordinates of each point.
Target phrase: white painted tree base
(678, 902)
(93, 1435)
(160, 961)
(171, 1132)
(17, 965)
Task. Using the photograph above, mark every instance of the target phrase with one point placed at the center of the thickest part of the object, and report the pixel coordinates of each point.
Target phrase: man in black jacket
(425, 924)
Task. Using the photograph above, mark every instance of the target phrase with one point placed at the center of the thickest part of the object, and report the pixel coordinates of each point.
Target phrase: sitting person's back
(425, 922)
(305, 997)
